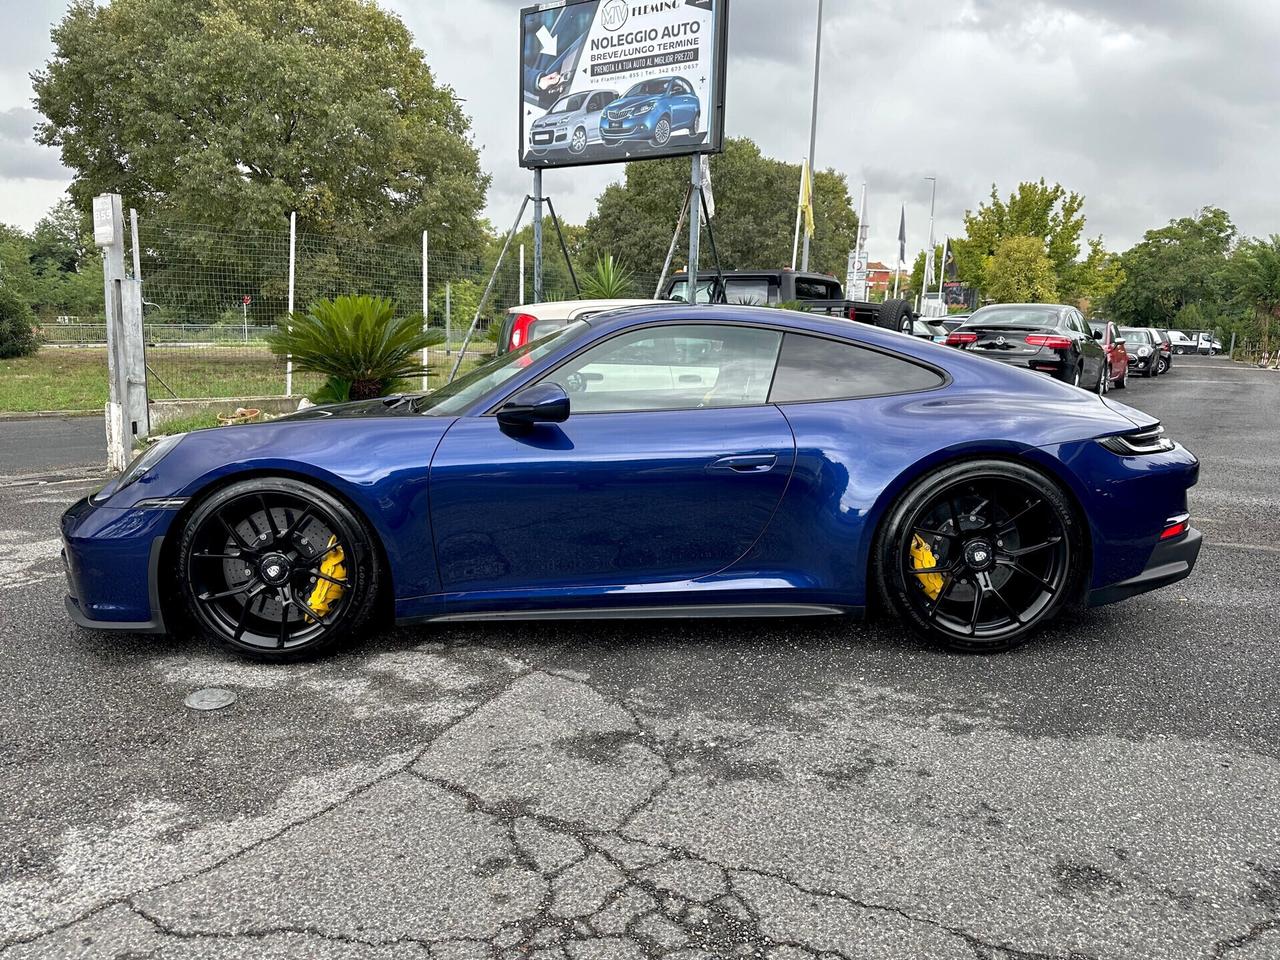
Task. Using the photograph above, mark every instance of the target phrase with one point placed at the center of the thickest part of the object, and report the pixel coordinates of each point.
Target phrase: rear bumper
(1170, 562)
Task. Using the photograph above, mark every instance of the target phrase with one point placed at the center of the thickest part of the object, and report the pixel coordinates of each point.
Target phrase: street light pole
(813, 132)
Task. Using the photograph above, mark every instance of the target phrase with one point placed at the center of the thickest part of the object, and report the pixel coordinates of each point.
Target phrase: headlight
(643, 109)
(143, 462)
(1144, 351)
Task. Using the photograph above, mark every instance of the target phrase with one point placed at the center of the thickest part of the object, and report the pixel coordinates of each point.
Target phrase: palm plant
(1254, 272)
(358, 343)
(607, 280)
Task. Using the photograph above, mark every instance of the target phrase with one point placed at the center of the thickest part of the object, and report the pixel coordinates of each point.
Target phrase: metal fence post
(126, 411)
(293, 249)
(448, 320)
(426, 318)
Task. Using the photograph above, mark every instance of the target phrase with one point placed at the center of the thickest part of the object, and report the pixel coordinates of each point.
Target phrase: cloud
(20, 156)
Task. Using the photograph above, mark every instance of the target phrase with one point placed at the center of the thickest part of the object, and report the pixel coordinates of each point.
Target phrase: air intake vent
(1140, 442)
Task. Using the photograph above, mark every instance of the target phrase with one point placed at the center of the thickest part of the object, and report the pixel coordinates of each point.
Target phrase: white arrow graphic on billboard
(548, 41)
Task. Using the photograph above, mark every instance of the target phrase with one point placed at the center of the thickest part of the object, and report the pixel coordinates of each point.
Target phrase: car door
(595, 109)
(686, 105)
(1095, 358)
(668, 469)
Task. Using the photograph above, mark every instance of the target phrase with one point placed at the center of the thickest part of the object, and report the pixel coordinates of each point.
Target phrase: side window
(812, 368)
(679, 367)
(808, 288)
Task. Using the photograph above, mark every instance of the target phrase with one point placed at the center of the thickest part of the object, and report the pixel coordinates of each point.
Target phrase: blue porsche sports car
(651, 462)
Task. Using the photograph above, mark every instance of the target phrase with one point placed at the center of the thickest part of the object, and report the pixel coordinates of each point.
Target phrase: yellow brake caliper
(326, 594)
(922, 558)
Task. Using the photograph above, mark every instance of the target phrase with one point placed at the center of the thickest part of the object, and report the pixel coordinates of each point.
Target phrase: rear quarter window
(813, 368)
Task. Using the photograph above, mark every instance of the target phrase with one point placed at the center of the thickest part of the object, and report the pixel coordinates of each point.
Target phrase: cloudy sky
(1150, 108)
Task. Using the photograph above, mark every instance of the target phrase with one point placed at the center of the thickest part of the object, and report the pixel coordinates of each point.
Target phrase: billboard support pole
(537, 235)
(488, 290)
(695, 225)
(813, 133)
(671, 250)
(564, 247)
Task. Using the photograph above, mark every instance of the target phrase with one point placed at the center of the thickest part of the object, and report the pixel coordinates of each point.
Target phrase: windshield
(649, 88)
(455, 397)
(569, 104)
(1014, 316)
(1134, 335)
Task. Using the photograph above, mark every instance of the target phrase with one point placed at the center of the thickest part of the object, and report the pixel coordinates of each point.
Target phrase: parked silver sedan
(572, 123)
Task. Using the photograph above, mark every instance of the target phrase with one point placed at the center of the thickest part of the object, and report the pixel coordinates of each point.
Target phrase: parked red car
(1108, 336)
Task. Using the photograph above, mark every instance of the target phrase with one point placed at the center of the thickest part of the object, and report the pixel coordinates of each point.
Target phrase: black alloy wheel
(978, 556)
(277, 569)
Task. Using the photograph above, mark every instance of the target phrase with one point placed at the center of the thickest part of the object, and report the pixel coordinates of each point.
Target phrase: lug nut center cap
(275, 569)
(979, 555)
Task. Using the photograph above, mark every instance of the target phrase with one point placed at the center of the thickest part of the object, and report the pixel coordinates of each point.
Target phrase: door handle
(746, 463)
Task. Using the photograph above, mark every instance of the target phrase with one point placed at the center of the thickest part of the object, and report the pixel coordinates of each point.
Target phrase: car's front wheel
(662, 132)
(978, 555)
(277, 569)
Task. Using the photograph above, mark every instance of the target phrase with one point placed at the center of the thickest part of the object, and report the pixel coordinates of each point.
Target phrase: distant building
(879, 277)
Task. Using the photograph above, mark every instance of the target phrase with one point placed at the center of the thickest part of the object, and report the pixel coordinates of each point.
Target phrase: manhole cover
(210, 698)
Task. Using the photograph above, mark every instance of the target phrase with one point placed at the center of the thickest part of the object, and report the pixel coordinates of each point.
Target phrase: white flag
(707, 195)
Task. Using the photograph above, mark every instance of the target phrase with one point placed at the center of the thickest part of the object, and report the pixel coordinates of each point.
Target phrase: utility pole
(813, 133)
(695, 225)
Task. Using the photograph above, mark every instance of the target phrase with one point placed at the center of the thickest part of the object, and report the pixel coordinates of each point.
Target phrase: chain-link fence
(211, 296)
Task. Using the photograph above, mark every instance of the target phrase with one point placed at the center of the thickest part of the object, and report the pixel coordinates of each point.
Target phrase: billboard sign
(604, 81)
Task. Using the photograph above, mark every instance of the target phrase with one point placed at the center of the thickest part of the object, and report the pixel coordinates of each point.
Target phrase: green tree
(1050, 214)
(1020, 271)
(1173, 266)
(235, 112)
(1253, 273)
(754, 223)
(17, 338)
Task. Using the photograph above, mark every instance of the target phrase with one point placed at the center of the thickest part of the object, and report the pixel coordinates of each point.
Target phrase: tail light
(1049, 340)
(960, 339)
(1176, 526)
(520, 330)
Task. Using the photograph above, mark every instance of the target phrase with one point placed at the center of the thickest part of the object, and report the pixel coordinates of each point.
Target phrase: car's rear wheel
(578, 142)
(1077, 375)
(1104, 379)
(277, 569)
(978, 555)
(1164, 365)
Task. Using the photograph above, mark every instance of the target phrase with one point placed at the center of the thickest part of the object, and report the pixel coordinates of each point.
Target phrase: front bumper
(632, 128)
(1141, 363)
(544, 139)
(112, 560)
(1171, 561)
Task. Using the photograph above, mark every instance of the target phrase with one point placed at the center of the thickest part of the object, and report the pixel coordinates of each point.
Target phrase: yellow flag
(806, 198)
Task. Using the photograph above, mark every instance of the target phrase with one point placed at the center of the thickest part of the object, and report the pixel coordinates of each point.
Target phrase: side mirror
(540, 403)
(1097, 334)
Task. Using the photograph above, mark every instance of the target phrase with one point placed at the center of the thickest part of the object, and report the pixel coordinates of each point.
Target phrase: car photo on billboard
(604, 81)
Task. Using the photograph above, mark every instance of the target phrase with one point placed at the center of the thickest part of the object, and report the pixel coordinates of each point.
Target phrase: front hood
(1136, 417)
(397, 405)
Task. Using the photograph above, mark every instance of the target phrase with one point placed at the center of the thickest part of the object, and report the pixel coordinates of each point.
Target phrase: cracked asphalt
(691, 789)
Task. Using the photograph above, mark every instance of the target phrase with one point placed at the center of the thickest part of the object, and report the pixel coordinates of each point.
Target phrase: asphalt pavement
(32, 444)
(687, 788)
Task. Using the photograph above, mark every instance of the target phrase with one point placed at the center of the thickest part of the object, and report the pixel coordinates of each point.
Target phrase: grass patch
(75, 378)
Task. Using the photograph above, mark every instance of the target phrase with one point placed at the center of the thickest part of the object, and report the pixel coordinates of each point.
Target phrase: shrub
(358, 343)
(607, 280)
(17, 334)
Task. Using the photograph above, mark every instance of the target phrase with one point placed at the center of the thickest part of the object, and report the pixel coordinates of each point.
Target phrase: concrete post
(126, 411)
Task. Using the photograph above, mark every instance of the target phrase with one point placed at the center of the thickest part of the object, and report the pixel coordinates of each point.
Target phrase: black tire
(1165, 365)
(894, 314)
(1123, 381)
(1076, 376)
(1104, 379)
(1149, 372)
(979, 507)
(246, 551)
